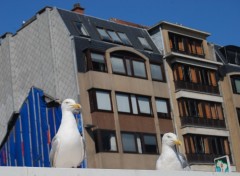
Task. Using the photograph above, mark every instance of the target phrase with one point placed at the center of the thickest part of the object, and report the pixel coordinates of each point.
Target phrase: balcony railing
(189, 53)
(203, 158)
(203, 122)
(196, 87)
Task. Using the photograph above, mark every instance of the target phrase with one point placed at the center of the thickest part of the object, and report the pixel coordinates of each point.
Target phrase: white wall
(31, 171)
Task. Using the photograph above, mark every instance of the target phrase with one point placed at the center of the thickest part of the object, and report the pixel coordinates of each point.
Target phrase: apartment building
(198, 94)
(134, 83)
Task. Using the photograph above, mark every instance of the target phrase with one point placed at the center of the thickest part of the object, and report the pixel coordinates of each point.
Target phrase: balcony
(202, 158)
(203, 122)
(196, 87)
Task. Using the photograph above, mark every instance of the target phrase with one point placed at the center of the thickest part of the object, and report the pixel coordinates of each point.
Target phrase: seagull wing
(54, 150)
(183, 161)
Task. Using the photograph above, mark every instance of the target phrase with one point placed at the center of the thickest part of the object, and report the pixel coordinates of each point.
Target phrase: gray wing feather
(183, 161)
(54, 150)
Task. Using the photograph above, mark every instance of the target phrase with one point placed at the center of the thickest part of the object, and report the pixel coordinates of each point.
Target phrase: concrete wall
(27, 171)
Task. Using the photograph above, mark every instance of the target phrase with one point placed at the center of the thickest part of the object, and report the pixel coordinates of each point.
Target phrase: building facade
(134, 84)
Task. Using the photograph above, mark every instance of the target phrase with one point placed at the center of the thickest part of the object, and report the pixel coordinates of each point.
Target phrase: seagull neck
(167, 149)
(68, 118)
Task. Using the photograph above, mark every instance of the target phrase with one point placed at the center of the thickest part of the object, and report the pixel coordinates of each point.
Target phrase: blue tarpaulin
(29, 141)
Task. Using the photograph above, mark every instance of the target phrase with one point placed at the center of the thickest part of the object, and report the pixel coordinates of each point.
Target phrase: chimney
(78, 9)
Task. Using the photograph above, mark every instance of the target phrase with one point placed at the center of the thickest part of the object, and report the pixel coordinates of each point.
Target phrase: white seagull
(67, 146)
(170, 159)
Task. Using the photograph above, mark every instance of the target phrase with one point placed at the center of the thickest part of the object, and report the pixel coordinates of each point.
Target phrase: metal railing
(196, 87)
(203, 122)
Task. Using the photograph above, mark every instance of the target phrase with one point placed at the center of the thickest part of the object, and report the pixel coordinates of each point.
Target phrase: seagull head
(70, 105)
(170, 139)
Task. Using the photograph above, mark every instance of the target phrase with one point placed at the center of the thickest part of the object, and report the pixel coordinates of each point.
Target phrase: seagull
(67, 146)
(170, 159)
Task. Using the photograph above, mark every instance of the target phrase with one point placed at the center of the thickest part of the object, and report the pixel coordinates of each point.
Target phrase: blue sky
(221, 18)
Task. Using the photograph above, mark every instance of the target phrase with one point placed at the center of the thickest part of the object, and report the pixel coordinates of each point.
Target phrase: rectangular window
(144, 105)
(81, 29)
(204, 144)
(150, 144)
(157, 72)
(144, 43)
(129, 143)
(186, 45)
(238, 115)
(163, 108)
(104, 35)
(100, 100)
(118, 65)
(126, 65)
(139, 69)
(195, 78)
(98, 62)
(235, 84)
(105, 141)
(200, 108)
(124, 38)
(139, 143)
(123, 103)
(133, 104)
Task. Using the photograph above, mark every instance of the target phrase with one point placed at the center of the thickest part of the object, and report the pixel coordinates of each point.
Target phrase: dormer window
(124, 38)
(114, 36)
(144, 43)
(81, 29)
(104, 35)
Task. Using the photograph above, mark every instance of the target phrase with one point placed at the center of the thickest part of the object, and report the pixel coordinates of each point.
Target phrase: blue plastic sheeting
(29, 141)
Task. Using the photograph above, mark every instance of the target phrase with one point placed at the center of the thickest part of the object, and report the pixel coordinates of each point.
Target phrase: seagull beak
(77, 106)
(178, 142)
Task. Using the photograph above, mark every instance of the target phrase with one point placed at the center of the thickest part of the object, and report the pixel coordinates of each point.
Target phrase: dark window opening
(105, 141)
(139, 143)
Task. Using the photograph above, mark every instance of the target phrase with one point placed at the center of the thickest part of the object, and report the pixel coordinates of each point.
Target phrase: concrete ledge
(33, 171)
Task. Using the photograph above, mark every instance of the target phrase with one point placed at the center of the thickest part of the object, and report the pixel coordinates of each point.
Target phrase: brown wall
(120, 122)
(231, 102)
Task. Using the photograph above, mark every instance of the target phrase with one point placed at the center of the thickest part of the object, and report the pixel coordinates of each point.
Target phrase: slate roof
(91, 23)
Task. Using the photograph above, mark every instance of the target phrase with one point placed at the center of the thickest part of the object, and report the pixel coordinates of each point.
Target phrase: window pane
(237, 84)
(129, 69)
(114, 36)
(123, 103)
(144, 105)
(139, 144)
(81, 29)
(108, 141)
(156, 72)
(103, 100)
(162, 106)
(105, 141)
(129, 144)
(118, 65)
(134, 104)
(103, 34)
(97, 57)
(124, 38)
(150, 144)
(144, 43)
(139, 69)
